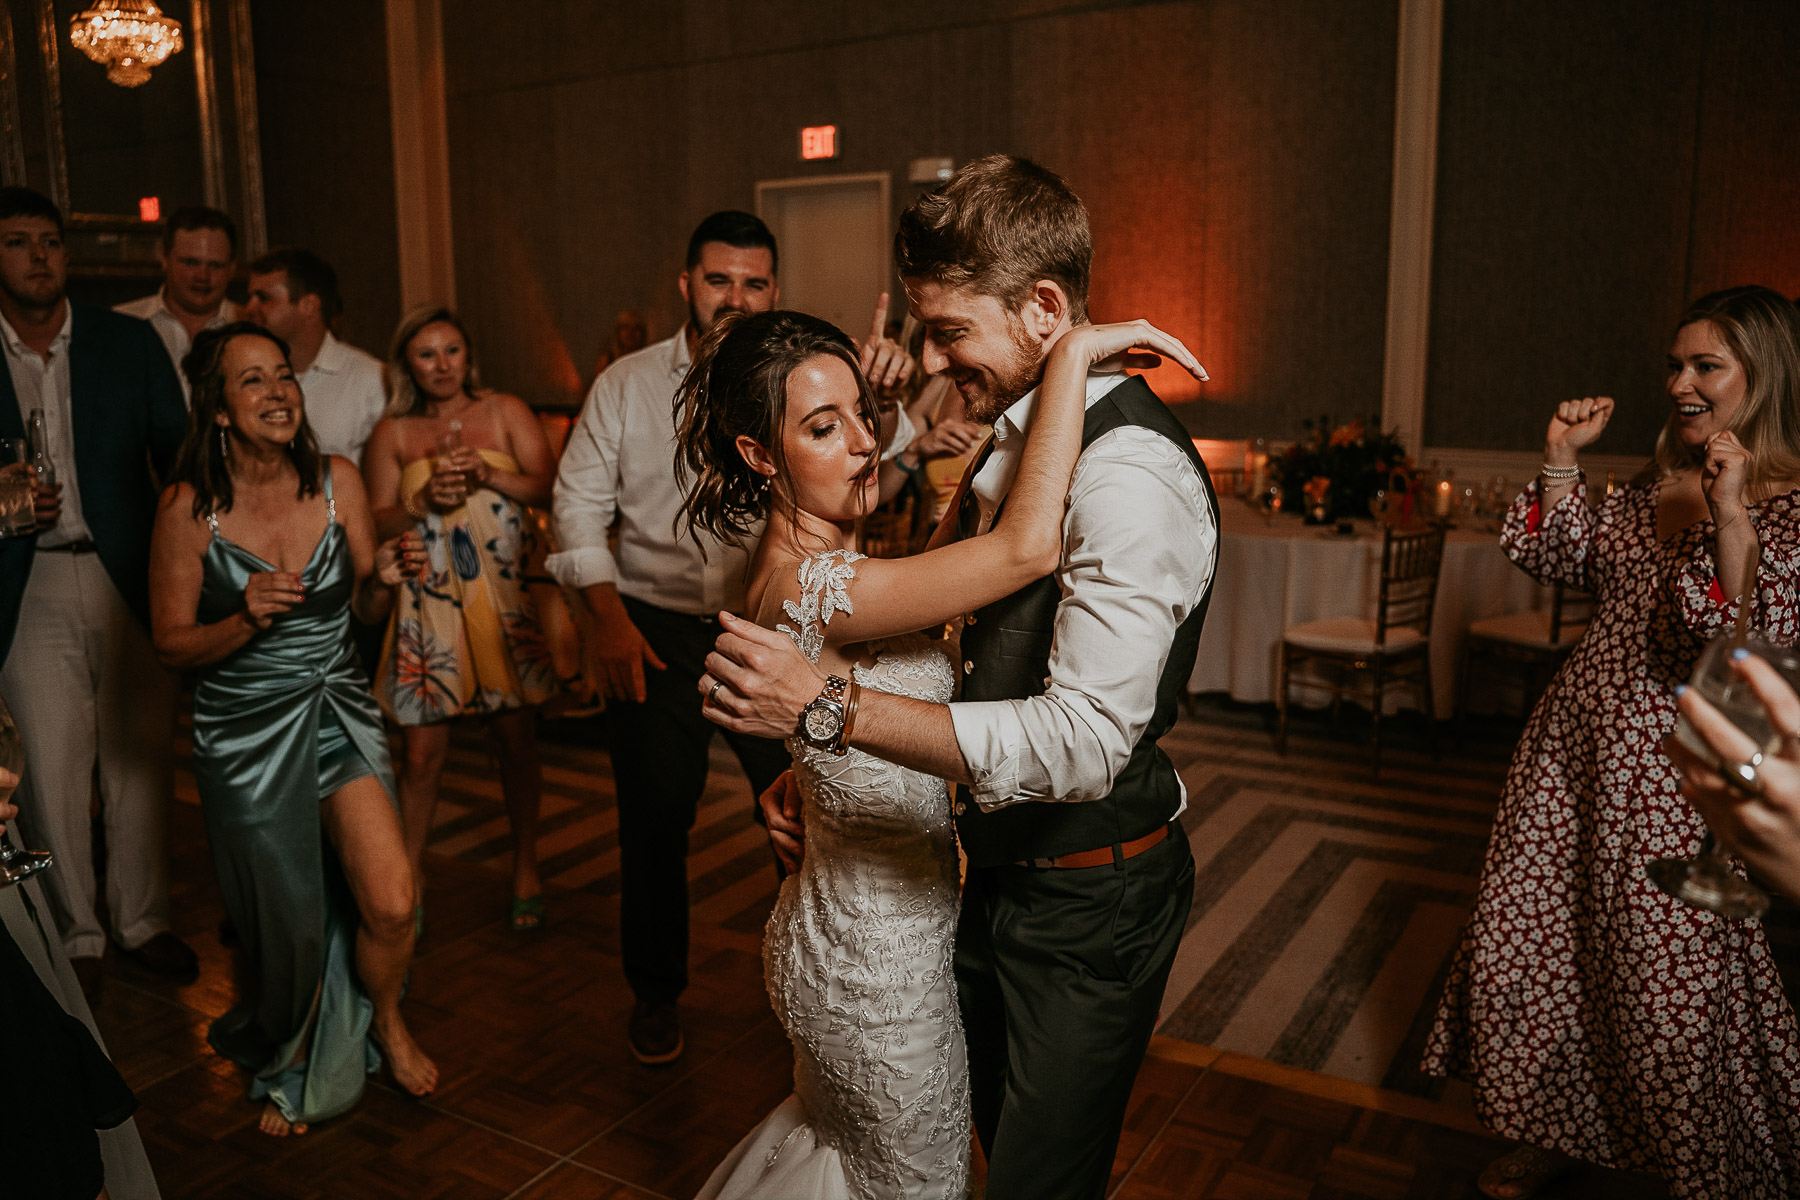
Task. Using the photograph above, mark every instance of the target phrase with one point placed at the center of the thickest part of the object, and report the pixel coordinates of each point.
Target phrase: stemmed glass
(1708, 881)
(15, 865)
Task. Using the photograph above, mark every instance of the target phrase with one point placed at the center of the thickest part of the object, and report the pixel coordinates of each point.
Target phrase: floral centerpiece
(1339, 469)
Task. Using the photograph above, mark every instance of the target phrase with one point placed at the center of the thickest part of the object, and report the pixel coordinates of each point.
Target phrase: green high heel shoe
(528, 914)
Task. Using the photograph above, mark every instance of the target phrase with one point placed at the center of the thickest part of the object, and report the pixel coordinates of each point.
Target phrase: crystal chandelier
(127, 38)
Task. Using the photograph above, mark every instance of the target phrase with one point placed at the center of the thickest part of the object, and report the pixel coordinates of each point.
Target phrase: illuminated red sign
(149, 209)
(818, 141)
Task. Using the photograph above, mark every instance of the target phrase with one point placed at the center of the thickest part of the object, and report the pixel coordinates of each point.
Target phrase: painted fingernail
(1740, 654)
(1681, 689)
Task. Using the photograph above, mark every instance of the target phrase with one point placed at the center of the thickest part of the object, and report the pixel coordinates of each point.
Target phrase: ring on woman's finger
(1744, 775)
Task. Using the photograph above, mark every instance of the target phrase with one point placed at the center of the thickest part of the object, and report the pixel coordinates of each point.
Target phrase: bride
(778, 426)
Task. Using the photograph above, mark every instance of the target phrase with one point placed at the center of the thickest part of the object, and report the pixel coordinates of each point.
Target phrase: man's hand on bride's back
(1093, 344)
(787, 828)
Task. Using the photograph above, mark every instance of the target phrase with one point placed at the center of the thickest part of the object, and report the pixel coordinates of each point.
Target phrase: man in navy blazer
(76, 665)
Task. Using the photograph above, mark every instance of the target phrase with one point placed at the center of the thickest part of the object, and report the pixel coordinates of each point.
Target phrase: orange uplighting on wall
(818, 141)
(149, 208)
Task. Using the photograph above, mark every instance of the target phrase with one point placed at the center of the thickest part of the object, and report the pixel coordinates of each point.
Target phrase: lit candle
(1259, 474)
(1443, 499)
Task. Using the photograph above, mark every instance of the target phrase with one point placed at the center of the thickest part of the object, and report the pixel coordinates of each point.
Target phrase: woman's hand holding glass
(399, 559)
(268, 594)
(1759, 825)
(467, 463)
(447, 488)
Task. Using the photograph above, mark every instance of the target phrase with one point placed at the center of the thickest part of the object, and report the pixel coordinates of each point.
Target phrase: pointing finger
(878, 330)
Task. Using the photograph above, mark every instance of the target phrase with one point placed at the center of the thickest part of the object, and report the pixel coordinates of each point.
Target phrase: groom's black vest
(1007, 649)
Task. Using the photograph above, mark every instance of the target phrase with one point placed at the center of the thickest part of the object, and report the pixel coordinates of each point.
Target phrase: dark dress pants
(1059, 974)
(659, 756)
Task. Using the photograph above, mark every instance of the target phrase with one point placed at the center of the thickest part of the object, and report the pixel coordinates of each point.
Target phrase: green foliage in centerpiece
(1347, 463)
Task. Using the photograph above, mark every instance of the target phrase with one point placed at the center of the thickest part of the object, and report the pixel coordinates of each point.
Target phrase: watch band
(843, 739)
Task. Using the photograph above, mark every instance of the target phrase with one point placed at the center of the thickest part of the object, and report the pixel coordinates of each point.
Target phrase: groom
(1079, 876)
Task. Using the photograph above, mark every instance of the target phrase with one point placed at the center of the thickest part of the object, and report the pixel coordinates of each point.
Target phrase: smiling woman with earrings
(460, 465)
(263, 548)
(1598, 1019)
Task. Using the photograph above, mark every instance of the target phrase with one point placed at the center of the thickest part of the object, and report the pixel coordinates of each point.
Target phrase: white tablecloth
(1281, 573)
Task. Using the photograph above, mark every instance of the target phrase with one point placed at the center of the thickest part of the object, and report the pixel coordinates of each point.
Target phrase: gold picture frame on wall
(116, 235)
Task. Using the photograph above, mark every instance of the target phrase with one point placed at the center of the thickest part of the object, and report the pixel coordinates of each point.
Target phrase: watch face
(822, 723)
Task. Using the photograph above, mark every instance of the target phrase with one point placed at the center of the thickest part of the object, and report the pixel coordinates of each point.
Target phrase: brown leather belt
(1117, 853)
(81, 546)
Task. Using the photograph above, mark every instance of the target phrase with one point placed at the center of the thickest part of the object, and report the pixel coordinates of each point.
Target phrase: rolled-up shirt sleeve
(1140, 543)
(587, 489)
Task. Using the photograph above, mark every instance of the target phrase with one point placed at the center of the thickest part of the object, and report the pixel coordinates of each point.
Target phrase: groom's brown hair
(999, 225)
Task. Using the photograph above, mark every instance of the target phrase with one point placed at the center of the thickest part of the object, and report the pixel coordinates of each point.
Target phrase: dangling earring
(224, 449)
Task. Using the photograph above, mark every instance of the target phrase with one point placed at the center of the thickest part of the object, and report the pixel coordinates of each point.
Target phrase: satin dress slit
(279, 726)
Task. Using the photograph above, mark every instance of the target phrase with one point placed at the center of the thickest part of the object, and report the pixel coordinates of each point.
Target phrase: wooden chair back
(1568, 607)
(1409, 576)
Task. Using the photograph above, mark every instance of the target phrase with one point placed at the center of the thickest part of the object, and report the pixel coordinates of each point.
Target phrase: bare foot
(412, 1069)
(276, 1125)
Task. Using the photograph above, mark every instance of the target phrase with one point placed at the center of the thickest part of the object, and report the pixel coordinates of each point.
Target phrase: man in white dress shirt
(1080, 877)
(654, 607)
(294, 295)
(199, 257)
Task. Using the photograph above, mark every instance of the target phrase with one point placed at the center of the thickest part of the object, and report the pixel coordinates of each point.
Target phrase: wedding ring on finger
(1744, 775)
(712, 692)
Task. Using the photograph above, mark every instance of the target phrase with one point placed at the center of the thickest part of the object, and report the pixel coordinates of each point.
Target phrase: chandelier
(127, 38)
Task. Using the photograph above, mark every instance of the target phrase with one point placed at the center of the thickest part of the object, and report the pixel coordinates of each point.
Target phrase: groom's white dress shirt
(620, 461)
(1138, 541)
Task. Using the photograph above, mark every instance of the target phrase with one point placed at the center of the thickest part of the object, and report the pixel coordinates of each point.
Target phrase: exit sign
(818, 141)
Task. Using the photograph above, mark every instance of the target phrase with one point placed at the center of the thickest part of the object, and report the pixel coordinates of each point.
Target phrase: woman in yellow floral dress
(463, 466)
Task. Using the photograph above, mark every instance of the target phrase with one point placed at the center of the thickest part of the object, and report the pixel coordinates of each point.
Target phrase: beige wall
(1235, 156)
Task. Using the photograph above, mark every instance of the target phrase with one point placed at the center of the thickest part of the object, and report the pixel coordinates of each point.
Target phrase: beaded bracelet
(1558, 474)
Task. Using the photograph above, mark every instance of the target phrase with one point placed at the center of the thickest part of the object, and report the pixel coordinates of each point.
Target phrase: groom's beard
(1009, 381)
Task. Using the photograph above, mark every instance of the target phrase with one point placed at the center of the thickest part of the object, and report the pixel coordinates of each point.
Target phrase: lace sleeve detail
(823, 592)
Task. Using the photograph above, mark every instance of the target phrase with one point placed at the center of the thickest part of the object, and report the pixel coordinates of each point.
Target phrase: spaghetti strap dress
(279, 726)
(464, 639)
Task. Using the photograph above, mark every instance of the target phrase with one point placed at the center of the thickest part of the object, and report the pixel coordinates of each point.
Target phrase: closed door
(835, 243)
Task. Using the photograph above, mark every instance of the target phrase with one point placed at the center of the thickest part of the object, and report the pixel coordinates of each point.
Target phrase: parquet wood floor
(540, 1099)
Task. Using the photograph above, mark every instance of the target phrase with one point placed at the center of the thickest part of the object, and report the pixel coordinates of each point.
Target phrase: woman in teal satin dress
(262, 549)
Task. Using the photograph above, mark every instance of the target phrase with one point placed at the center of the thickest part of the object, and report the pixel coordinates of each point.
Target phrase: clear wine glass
(15, 865)
(1708, 881)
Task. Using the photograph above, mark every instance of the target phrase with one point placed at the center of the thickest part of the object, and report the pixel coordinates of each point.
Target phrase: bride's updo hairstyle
(1762, 329)
(736, 388)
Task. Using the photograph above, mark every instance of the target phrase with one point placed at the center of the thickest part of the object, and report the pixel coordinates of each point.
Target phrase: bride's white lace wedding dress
(858, 959)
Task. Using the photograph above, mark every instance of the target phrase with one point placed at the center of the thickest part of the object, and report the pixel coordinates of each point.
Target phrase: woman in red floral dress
(1598, 1019)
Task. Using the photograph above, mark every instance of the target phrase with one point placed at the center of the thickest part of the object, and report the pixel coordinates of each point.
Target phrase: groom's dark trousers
(1059, 974)
(1060, 968)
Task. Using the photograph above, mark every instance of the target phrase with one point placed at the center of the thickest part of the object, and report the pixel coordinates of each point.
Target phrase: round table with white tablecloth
(1276, 573)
